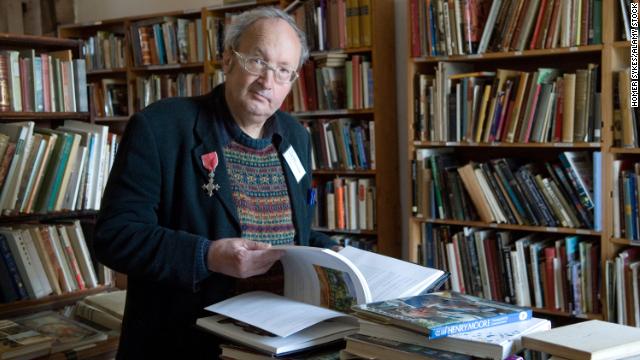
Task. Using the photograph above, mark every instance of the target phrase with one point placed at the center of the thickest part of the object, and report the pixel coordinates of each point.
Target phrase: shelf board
(105, 119)
(627, 242)
(168, 67)
(48, 302)
(20, 218)
(566, 314)
(345, 231)
(340, 112)
(43, 115)
(545, 229)
(32, 41)
(241, 4)
(113, 71)
(511, 54)
(619, 150)
(559, 145)
(356, 50)
(344, 172)
(622, 44)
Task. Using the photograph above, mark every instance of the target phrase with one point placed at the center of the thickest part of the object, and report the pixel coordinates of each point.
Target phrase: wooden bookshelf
(332, 113)
(611, 55)
(560, 145)
(338, 172)
(348, 232)
(42, 116)
(59, 215)
(542, 229)
(52, 302)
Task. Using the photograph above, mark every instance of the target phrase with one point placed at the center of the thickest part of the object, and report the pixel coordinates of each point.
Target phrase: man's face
(259, 96)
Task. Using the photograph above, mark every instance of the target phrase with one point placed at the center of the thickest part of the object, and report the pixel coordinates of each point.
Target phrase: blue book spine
(633, 189)
(344, 127)
(362, 153)
(157, 34)
(12, 267)
(462, 327)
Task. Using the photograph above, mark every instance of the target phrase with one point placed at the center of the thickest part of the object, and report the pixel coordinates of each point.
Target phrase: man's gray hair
(242, 22)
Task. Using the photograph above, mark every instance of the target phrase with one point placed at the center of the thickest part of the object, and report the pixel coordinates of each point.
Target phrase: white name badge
(294, 163)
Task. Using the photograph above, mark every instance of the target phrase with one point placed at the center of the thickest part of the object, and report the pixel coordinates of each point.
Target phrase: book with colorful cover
(496, 342)
(443, 313)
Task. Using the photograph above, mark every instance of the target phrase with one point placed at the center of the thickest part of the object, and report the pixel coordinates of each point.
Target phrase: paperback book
(443, 314)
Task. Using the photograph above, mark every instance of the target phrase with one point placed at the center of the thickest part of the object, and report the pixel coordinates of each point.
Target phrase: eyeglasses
(257, 66)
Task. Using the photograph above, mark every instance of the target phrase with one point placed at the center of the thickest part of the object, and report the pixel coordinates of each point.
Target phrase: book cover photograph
(443, 313)
(66, 332)
(337, 291)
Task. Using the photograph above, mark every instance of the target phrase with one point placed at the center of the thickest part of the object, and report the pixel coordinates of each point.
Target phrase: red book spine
(550, 291)
(46, 80)
(415, 29)
(536, 32)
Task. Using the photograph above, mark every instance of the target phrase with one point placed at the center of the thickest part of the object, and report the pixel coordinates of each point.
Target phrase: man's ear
(227, 63)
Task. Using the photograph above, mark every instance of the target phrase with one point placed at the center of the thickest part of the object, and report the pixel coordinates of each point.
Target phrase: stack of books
(104, 309)
(441, 325)
(320, 286)
(43, 333)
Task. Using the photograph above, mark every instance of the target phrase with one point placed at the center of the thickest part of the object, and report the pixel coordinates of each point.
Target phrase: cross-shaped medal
(210, 186)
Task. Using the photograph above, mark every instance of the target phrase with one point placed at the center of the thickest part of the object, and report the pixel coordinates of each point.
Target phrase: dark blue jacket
(155, 214)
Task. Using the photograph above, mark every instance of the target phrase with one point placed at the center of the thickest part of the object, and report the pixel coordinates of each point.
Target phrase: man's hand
(241, 258)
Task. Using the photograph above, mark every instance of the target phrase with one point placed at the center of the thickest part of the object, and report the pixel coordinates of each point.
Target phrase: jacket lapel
(295, 193)
(207, 132)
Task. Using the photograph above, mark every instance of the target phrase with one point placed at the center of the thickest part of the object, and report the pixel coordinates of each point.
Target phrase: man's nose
(267, 77)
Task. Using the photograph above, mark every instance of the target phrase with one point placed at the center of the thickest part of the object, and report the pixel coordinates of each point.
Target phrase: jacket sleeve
(128, 237)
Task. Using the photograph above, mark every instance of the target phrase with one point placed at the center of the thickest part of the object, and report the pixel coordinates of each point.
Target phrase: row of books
(356, 241)
(46, 170)
(43, 82)
(215, 34)
(333, 81)
(105, 50)
(39, 260)
(343, 143)
(533, 270)
(155, 87)
(622, 284)
(109, 97)
(507, 105)
(167, 40)
(335, 24)
(625, 117)
(558, 194)
(626, 200)
(44, 333)
(455, 27)
(345, 204)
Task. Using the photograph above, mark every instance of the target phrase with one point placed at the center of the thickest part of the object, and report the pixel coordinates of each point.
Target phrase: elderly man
(201, 187)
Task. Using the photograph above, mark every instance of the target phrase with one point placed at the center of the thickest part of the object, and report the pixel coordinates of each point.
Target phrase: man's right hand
(241, 258)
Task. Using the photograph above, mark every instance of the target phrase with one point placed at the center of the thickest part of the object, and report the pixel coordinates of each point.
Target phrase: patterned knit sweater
(259, 189)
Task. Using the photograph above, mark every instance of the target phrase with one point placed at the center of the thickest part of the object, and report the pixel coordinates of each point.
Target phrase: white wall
(91, 10)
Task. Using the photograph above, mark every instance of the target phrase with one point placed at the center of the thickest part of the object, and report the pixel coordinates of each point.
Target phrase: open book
(319, 286)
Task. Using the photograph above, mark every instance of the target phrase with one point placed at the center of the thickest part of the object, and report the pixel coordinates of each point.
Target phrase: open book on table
(320, 285)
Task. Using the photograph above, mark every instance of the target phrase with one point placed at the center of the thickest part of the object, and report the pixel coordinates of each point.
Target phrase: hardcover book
(496, 342)
(443, 313)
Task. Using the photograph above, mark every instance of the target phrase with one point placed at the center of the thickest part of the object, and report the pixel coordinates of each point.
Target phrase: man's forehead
(262, 30)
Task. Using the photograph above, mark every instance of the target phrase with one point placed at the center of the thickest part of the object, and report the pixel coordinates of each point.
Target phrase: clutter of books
(83, 325)
(360, 305)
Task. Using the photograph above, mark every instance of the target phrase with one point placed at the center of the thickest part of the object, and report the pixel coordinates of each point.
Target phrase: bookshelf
(380, 53)
(611, 55)
(49, 120)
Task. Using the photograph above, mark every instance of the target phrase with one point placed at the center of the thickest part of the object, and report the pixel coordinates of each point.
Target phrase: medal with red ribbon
(210, 162)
